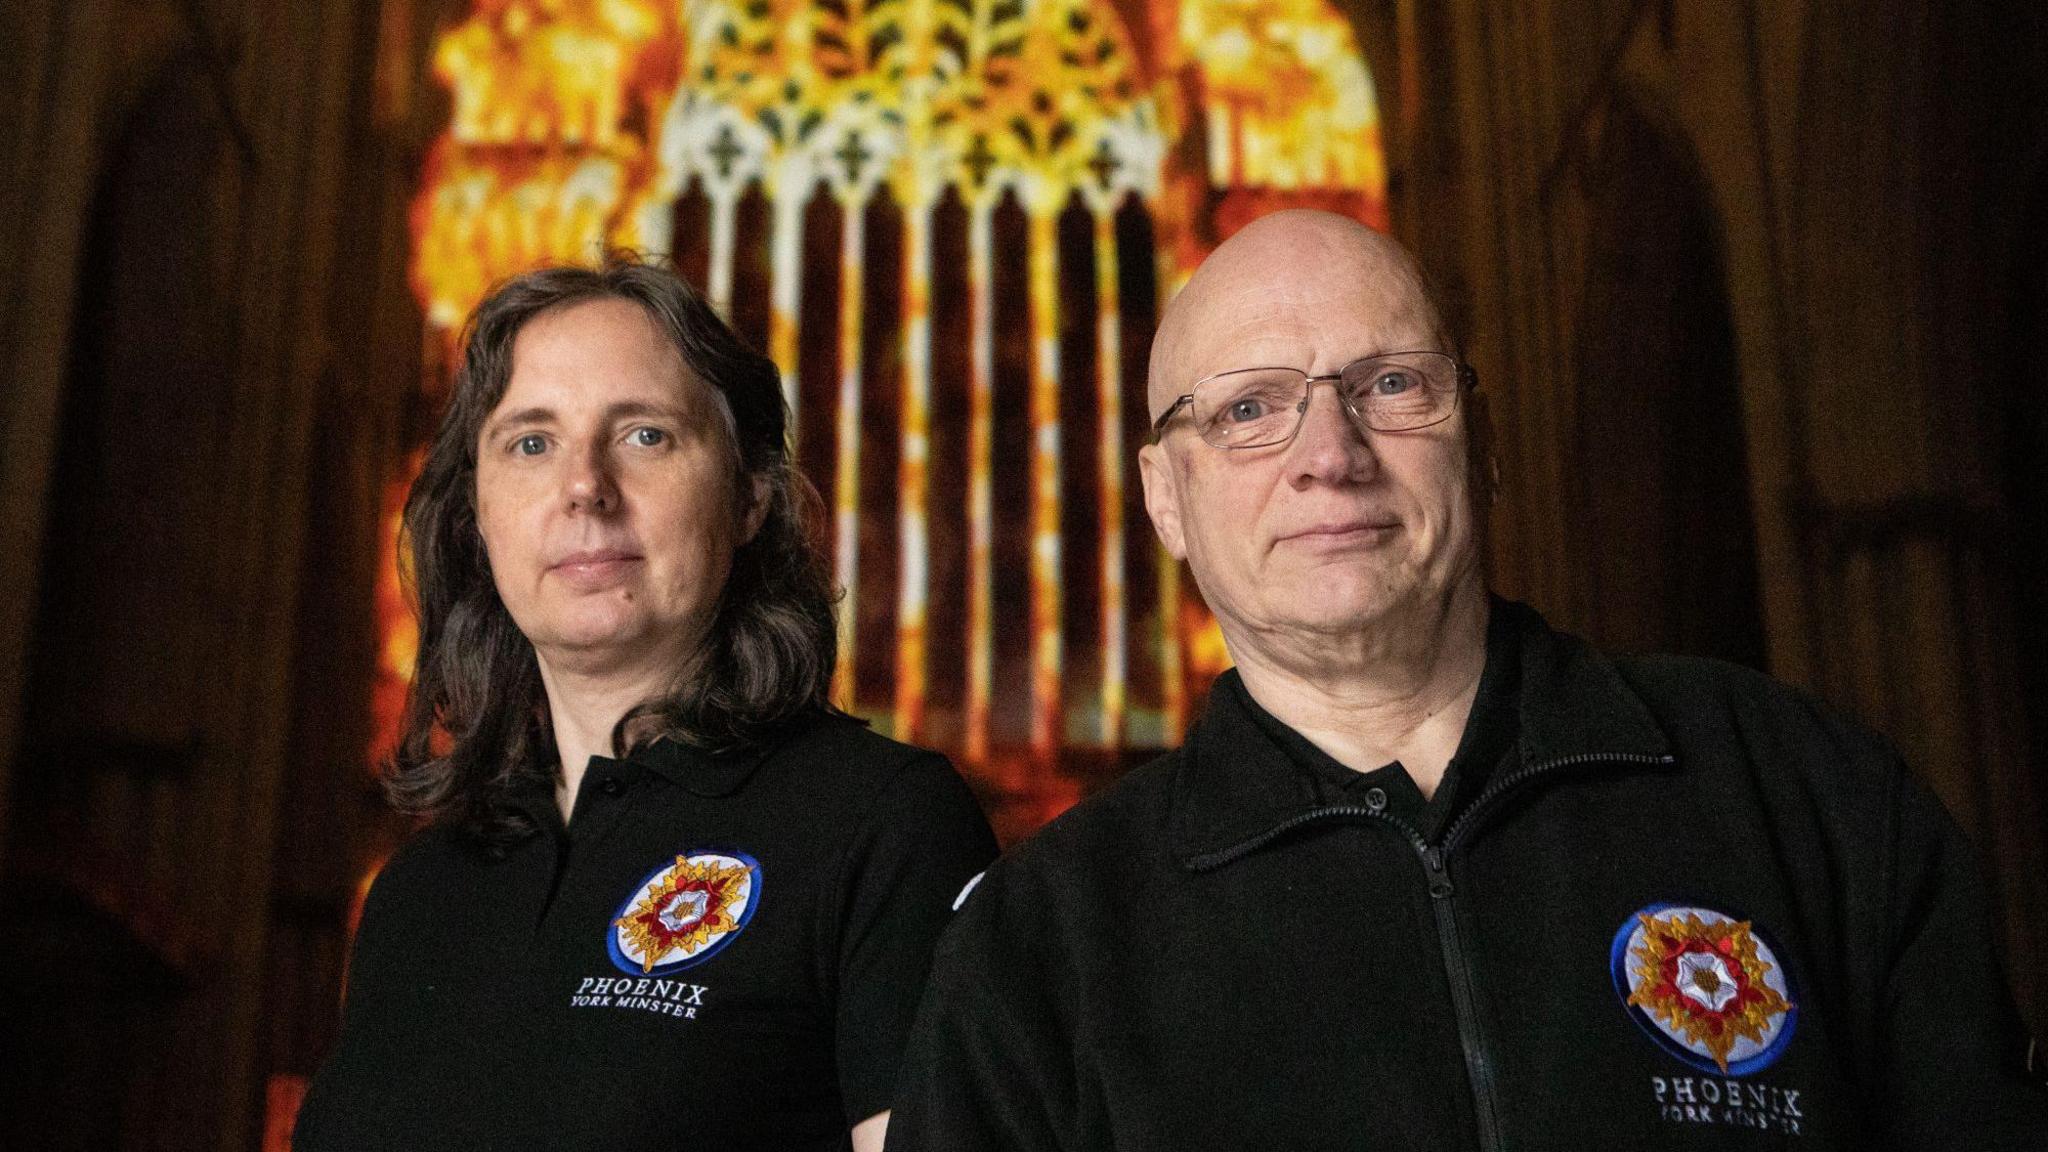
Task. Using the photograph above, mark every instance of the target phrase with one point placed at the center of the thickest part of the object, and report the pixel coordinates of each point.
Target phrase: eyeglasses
(1260, 407)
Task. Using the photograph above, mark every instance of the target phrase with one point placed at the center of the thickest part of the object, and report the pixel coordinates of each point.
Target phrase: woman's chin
(597, 645)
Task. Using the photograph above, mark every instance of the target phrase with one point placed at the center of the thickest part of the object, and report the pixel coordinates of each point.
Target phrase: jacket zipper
(1464, 1000)
(1501, 785)
(1472, 1038)
(1457, 971)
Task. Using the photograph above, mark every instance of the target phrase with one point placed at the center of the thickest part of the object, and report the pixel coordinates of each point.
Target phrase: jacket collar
(1234, 784)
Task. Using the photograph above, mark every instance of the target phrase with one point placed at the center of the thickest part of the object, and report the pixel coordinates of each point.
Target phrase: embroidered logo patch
(1705, 986)
(685, 911)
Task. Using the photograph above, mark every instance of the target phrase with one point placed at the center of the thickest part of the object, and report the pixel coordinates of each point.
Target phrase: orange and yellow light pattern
(578, 124)
(555, 101)
(398, 632)
(1287, 102)
(562, 106)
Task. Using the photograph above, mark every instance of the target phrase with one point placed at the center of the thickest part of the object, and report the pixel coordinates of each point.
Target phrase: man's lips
(1341, 534)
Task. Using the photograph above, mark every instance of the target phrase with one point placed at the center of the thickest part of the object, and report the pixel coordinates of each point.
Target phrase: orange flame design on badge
(687, 908)
(1705, 981)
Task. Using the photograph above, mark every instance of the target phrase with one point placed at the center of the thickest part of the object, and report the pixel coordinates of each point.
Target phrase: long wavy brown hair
(476, 724)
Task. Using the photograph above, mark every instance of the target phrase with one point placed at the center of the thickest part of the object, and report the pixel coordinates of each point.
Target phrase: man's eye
(1392, 384)
(1247, 408)
(647, 437)
(530, 445)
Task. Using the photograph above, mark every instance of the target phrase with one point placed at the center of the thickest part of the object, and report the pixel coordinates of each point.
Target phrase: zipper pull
(1439, 881)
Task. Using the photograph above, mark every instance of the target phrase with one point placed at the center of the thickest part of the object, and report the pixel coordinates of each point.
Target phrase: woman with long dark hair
(665, 895)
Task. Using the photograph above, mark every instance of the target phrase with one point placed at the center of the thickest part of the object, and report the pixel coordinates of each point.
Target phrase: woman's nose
(589, 485)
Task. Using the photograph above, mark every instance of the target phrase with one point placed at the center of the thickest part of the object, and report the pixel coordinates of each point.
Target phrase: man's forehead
(1302, 276)
(1307, 303)
(1291, 316)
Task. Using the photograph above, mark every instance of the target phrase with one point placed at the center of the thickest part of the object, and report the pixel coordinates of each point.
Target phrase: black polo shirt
(713, 952)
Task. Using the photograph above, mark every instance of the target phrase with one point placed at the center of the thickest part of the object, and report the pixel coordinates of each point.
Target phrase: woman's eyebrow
(626, 409)
(623, 410)
(520, 418)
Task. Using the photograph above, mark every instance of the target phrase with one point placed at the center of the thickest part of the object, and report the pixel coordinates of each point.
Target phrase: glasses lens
(1249, 408)
(1401, 392)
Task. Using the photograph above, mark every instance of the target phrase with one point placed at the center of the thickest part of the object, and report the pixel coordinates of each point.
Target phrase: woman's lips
(596, 568)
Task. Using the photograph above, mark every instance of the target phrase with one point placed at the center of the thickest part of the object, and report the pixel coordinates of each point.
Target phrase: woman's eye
(1392, 384)
(647, 437)
(530, 445)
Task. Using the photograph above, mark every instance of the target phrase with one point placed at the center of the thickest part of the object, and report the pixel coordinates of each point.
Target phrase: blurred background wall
(1754, 287)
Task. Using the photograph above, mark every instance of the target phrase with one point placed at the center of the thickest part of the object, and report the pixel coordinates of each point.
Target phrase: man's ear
(1162, 498)
(757, 491)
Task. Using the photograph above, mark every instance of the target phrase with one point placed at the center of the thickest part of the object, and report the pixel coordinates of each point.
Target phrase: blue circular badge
(1705, 986)
(684, 912)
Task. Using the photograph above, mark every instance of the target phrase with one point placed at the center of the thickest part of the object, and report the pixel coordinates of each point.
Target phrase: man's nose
(1332, 445)
(589, 484)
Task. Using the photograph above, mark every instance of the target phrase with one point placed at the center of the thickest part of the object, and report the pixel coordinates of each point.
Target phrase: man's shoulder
(1729, 721)
(1111, 847)
(1126, 824)
(1693, 691)
(1729, 726)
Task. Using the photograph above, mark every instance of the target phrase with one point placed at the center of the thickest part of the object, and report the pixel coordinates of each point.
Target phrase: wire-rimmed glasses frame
(1254, 402)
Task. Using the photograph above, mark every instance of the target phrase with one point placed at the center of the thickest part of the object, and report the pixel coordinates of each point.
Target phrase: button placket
(598, 813)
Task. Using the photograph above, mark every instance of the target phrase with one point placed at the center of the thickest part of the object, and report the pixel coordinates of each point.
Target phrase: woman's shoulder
(425, 862)
(847, 750)
(839, 765)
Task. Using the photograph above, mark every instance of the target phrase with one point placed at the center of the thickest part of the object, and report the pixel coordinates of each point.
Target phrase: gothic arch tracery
(581, 124)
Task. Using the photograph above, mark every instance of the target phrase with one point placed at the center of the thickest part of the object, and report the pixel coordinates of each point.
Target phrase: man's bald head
(1281, 265)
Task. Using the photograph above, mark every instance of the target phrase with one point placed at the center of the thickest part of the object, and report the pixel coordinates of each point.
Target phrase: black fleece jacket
(1689, 908)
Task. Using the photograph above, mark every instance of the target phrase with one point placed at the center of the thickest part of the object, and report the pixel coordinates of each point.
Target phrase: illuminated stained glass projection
(950, 223)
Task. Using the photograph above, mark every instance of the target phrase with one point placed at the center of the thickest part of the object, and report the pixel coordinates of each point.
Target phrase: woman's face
(605, 493)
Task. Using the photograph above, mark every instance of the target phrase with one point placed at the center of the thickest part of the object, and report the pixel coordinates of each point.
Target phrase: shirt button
(1375, 799)
(611, 786)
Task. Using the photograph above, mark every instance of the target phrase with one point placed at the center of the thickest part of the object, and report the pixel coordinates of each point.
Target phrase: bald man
(1427, 874)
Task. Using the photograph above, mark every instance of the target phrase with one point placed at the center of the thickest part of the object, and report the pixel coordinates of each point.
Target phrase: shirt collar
(698, 771)
(1236, 783)
(706, 774)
